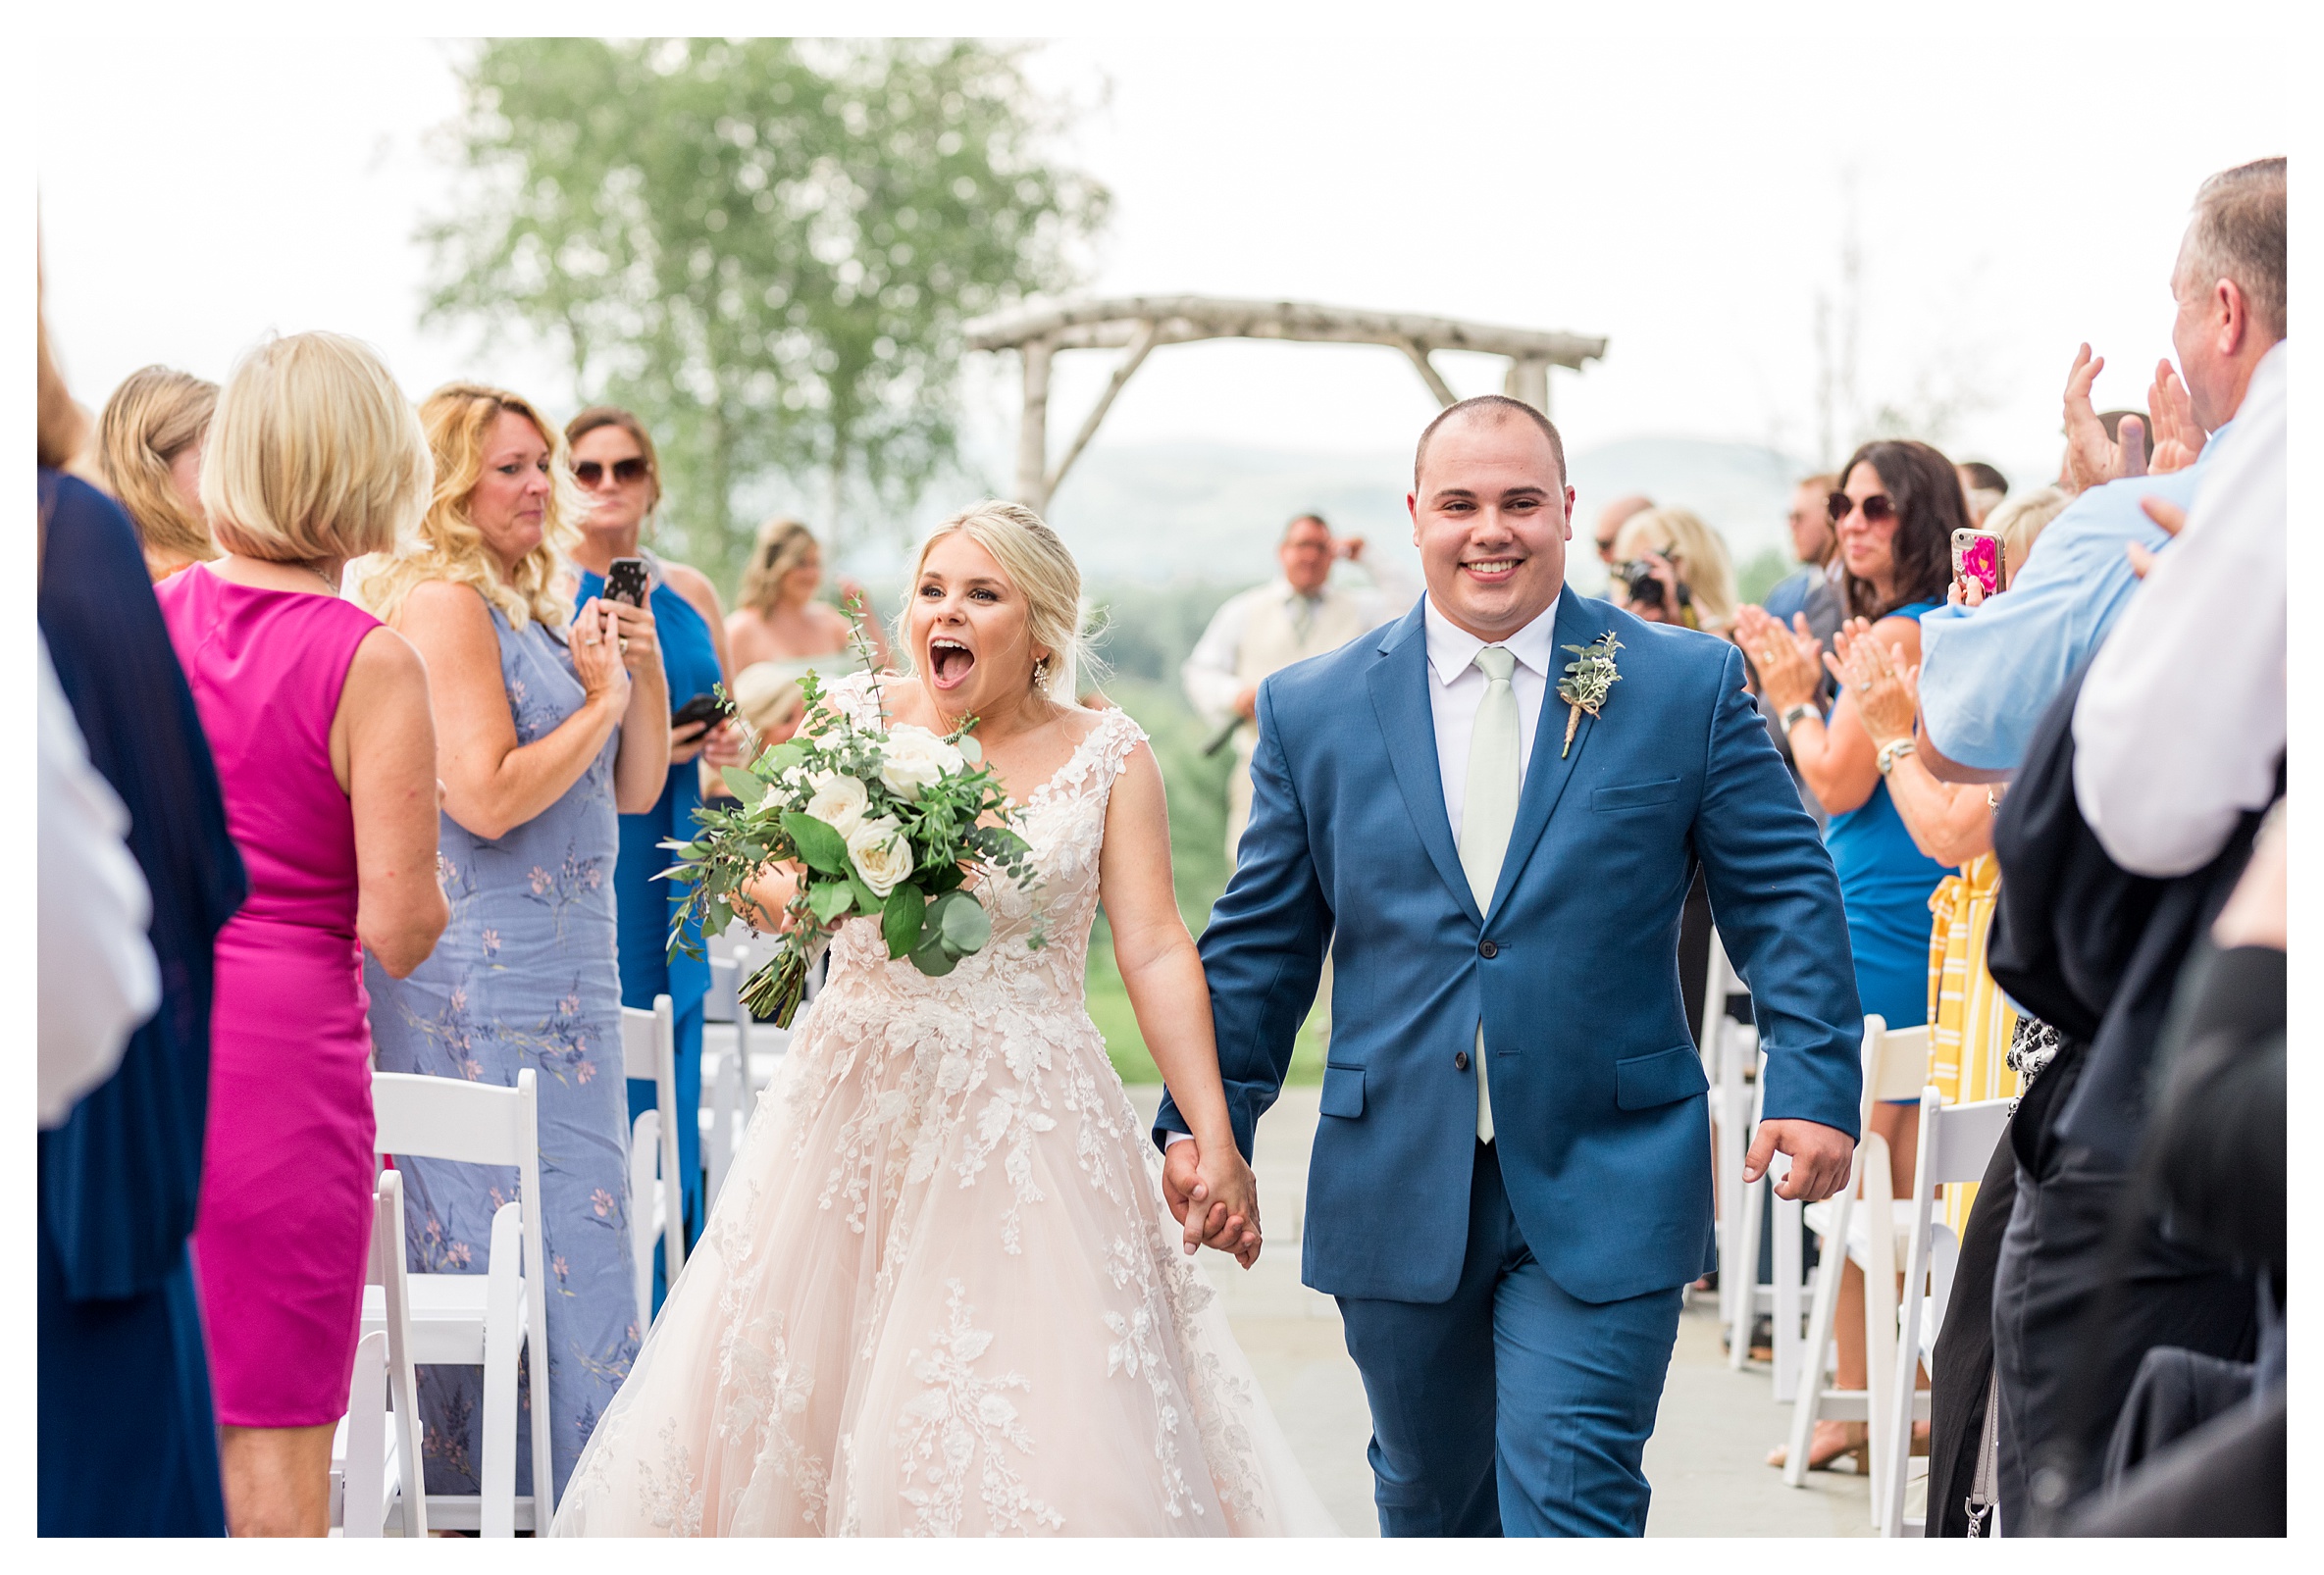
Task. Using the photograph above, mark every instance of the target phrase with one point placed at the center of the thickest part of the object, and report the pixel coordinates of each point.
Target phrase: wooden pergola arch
(1138, 322)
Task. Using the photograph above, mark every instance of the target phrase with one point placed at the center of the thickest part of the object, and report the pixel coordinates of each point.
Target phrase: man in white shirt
(2182, 718)
(1260, 632)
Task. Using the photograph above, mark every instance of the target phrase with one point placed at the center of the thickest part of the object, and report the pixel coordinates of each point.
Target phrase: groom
(1512, 1175)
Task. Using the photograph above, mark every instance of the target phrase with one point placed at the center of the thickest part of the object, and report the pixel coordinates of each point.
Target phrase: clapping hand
(1215, 1196)
(2092, 457)
(2178, 437)
(2173, 520)
(1885, 690)
(1786, 659)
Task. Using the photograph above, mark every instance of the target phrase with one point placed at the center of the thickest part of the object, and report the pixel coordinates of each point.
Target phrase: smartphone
(704, 707)
(1977, 556)
(625, 580)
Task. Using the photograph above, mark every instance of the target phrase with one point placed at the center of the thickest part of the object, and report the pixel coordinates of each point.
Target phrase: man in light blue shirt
(1987, 673)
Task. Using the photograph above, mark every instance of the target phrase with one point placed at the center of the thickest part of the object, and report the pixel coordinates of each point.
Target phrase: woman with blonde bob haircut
(326, 747)
(1682, 551)
(149, 447)
(549, 723)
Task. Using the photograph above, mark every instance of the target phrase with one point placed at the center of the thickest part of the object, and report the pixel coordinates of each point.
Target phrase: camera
(1641, 590)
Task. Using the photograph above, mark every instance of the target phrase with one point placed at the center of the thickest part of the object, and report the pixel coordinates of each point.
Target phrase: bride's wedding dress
(940, 1292)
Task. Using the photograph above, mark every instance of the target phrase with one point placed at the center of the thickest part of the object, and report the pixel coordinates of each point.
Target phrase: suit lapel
(1399, 683)
(1547, 773)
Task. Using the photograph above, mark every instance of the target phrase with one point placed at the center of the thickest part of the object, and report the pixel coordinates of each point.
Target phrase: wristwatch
(1792, 715)
(1893, 751)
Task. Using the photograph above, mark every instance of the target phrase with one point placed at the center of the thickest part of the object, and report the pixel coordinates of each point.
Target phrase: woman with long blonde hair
(941, 1292)
(780, 620)
(149, 447)
(549, 721)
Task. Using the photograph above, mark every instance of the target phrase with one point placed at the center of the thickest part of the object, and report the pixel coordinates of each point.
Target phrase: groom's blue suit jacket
(1597, 1092)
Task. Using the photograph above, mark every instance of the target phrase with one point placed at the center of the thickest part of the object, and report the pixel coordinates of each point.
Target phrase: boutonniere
(1587, 678)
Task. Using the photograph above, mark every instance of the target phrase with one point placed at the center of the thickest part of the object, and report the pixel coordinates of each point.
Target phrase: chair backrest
(720, 1005)
(636, 1044)
(1959, 1140)
(1895, 1062)
(448, 1118)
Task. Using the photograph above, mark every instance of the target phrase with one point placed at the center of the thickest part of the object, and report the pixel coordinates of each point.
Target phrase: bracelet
(1893, 751)
(1793, 715)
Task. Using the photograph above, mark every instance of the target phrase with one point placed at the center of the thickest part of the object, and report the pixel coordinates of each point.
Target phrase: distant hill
(1212, 512)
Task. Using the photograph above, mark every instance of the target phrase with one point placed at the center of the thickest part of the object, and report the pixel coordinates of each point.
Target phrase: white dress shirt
(1212, 672)
(1460, 685)
(2182, 718)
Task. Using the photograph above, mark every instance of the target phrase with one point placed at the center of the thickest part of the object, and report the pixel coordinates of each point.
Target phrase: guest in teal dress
(614, 461)
(1899, 505)
(550, 719)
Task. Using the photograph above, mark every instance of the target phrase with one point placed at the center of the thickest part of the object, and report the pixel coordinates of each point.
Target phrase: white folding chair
(657, 1199)
(475, 1320)
(1957, 1143)
(1896, 1066)
(363, 1448)
(1725, 1058)
(373, 1446)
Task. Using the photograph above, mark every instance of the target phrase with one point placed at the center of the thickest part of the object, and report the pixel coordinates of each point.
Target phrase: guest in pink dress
(319, 718)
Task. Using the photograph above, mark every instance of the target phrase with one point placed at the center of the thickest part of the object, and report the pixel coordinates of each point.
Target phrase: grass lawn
(1110, 1009)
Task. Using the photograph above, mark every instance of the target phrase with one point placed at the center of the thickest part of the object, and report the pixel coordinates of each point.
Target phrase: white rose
(912, 758)
(882, 856)
(839, 802)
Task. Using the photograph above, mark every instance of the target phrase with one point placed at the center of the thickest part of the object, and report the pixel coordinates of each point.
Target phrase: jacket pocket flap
(1343, 1090)
(1645, 1081)
(1636, 794)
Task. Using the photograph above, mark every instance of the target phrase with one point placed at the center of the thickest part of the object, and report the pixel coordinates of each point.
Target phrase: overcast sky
(1681, 198)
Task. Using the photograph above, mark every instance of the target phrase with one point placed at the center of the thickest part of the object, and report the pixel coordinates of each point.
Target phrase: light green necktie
(1488, 812)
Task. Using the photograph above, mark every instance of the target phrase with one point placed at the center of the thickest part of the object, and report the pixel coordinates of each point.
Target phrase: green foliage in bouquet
(886, 823)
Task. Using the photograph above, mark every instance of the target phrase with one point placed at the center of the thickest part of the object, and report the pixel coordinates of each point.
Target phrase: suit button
(1486, 948)
(1460, 1061)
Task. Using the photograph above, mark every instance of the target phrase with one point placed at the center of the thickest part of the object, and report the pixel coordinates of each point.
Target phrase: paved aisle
(1715, 1428)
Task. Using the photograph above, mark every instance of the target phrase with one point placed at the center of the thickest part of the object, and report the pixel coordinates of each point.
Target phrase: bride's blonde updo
(1036, 563)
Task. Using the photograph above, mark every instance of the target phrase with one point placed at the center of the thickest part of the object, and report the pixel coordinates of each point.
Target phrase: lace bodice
(1065, 821)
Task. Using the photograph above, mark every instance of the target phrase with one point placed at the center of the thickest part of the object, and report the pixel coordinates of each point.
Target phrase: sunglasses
(1876, 508)
(589, 473)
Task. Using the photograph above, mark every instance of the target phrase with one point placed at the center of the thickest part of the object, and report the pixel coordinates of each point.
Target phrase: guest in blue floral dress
(544, 732)
(614, 460)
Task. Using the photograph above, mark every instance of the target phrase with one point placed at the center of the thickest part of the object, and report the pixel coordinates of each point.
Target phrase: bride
(940, 1291)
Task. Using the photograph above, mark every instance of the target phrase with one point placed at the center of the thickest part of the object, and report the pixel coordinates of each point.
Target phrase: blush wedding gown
(940, 1292)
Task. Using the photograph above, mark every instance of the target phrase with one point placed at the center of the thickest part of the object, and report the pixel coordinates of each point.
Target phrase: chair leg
(363, 1476)
(1788, 1274)
(1879, 1333)
(1808, 1399)
(1746, 1257)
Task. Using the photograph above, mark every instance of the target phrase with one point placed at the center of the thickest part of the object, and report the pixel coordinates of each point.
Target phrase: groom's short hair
(1495, 408)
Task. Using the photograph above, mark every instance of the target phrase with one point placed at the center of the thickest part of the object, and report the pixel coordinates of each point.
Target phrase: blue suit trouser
(686, 1035)
(1511, 1407)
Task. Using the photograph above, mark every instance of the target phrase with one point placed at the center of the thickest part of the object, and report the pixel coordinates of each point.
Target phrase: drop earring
(1041, 674)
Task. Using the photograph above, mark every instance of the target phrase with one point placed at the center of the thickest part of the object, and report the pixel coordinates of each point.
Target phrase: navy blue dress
(646, 905)
(127, 1440)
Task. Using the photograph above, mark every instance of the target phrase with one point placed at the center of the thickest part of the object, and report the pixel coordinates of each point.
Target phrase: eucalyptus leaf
(900, 919)
(932, 959)
(969, 749)
(820, 845)
(965, 924)
(782, 758)
(830, 901)
(746, 784)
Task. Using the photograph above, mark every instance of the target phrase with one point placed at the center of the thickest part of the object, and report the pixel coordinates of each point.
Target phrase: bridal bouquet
(885, 823)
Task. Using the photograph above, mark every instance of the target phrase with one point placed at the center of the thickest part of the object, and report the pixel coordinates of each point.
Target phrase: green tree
(766, 247)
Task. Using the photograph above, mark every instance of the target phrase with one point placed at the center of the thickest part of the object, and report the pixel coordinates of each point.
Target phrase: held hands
(1887, 692)
(1820, 1158)
(1787, 659)
(1214, 1195)
(595, 643)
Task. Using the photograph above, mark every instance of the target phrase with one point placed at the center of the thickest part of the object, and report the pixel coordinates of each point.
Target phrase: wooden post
(1428, 373)
(1032, 432)
(1528, 379)
(1148, 333)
